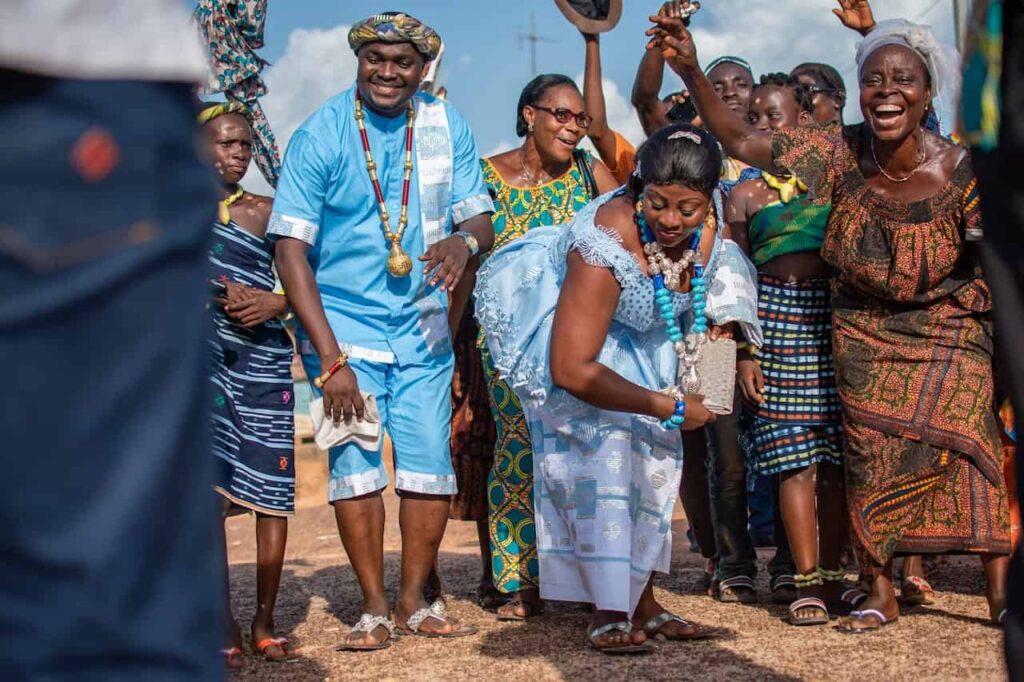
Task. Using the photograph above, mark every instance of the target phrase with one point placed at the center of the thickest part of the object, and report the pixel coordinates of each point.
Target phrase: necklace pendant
(691, 381)
(399, 263)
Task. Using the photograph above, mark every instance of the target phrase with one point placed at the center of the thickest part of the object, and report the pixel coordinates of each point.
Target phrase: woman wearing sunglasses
(543, 182)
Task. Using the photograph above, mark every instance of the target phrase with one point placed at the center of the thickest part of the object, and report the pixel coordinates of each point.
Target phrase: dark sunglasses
(563, 115)
(816, 89)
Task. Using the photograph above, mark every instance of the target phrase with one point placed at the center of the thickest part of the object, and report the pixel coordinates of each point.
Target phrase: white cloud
(316, 64)
(466, 59)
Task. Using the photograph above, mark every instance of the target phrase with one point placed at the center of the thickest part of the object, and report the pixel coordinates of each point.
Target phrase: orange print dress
(913, 353)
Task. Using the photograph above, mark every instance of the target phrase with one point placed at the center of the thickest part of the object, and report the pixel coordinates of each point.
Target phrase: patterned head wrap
(742, 63)
(396, 27)
(232, 30)
(218, 109)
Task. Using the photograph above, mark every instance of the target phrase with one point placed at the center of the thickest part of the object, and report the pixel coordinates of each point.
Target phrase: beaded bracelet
(342, 361)
(677, 418)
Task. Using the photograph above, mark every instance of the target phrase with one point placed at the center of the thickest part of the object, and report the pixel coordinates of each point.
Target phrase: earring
(639, 206)
(529, 127)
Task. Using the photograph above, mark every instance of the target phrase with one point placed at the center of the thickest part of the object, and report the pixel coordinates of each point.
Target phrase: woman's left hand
(258, 308)
(856, 15)
(716, 332)
(446, 261)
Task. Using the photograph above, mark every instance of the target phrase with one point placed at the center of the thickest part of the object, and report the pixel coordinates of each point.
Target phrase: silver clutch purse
(716, 369)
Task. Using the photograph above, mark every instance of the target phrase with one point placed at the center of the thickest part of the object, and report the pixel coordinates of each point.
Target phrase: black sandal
(738, 589)
(783, 588)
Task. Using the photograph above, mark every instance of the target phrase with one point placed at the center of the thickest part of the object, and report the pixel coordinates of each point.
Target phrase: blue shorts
(416, 410)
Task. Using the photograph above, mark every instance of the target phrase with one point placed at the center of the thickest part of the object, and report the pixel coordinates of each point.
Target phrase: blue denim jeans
(110, 561)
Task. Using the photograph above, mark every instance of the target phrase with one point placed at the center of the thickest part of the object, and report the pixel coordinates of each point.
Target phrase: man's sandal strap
(369, 622)
(735, 582)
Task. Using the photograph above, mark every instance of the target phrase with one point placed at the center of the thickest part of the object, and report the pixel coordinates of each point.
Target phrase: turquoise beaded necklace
(687, 348)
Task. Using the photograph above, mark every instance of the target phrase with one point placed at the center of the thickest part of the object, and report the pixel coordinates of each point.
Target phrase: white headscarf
(942, 61)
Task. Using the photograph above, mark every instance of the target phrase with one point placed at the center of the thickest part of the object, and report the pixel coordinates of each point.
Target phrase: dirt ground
(319, 600)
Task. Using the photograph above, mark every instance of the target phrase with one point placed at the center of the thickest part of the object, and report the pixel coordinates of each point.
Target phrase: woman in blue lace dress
(591, 341)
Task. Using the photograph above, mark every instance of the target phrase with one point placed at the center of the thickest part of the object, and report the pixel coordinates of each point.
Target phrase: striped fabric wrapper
(799, 423)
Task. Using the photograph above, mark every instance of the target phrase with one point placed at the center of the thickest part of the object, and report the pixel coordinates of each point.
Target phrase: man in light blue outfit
(371, 185)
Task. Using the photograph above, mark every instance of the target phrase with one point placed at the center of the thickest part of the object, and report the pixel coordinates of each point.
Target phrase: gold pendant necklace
(399, 263)
(786, 187)
(223, 214)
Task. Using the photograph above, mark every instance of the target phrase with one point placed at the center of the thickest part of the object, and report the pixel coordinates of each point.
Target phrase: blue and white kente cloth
(395, 330)
(253, 396)
(605, 482)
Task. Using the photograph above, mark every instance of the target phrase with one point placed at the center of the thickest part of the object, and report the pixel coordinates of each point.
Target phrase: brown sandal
(916, 591)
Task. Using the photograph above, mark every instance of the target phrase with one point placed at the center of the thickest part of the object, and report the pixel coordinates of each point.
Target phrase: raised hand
(672, 37)
(856, 15)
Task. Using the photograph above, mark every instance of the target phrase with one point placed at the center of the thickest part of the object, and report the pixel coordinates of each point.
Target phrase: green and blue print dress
(510, 484)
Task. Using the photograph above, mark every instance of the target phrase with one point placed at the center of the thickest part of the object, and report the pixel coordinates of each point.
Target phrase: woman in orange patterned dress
(911, 312)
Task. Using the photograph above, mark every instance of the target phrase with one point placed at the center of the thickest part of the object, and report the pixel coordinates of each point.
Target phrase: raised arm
(651, 110)
(739, 139)
(593, 100)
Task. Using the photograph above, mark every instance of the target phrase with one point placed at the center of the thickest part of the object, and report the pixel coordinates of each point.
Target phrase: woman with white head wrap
(912, 314)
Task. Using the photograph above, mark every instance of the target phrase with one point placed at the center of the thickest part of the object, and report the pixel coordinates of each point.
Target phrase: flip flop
(490, 597)
(783, 588)
(611, 650)
(738, 589)
(230, 661)
(853, 597)
(415, 622)
(808, 603)
(261, 649)
(916, 591)
(532, 609)
(882, 622)
(653, 629)
(367, 624)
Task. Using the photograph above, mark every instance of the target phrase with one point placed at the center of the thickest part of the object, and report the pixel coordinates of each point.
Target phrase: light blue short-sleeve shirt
(325, 198)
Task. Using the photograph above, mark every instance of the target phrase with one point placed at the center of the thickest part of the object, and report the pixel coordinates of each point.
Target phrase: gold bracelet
(342, 361)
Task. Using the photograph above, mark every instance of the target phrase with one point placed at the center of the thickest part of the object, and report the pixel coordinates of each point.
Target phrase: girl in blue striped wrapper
(251, 353)
(791, 415)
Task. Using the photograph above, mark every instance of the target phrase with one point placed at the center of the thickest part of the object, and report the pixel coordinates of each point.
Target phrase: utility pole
(961, 20)
(533, 39)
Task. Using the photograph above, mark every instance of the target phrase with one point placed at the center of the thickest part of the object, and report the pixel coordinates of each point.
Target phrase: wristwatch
(471, 242)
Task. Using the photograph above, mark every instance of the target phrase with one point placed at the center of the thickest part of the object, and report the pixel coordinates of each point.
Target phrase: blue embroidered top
(325, 198)
(517, 291)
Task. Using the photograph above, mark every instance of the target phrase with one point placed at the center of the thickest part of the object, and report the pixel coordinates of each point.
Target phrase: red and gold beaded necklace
(399, 263)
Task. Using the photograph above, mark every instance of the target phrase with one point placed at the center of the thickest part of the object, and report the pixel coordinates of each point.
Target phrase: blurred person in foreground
(993, 67)
(111, 565)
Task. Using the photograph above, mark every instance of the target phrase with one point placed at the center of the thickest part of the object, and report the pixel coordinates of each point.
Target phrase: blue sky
(485, 65)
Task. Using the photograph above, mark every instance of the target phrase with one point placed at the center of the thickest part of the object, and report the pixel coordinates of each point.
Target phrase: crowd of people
(778, 318)
(546, 369)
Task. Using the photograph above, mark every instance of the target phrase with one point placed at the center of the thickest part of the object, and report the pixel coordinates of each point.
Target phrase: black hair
(801, 93)
(672, 156)
(822, 73)
(534, 91)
